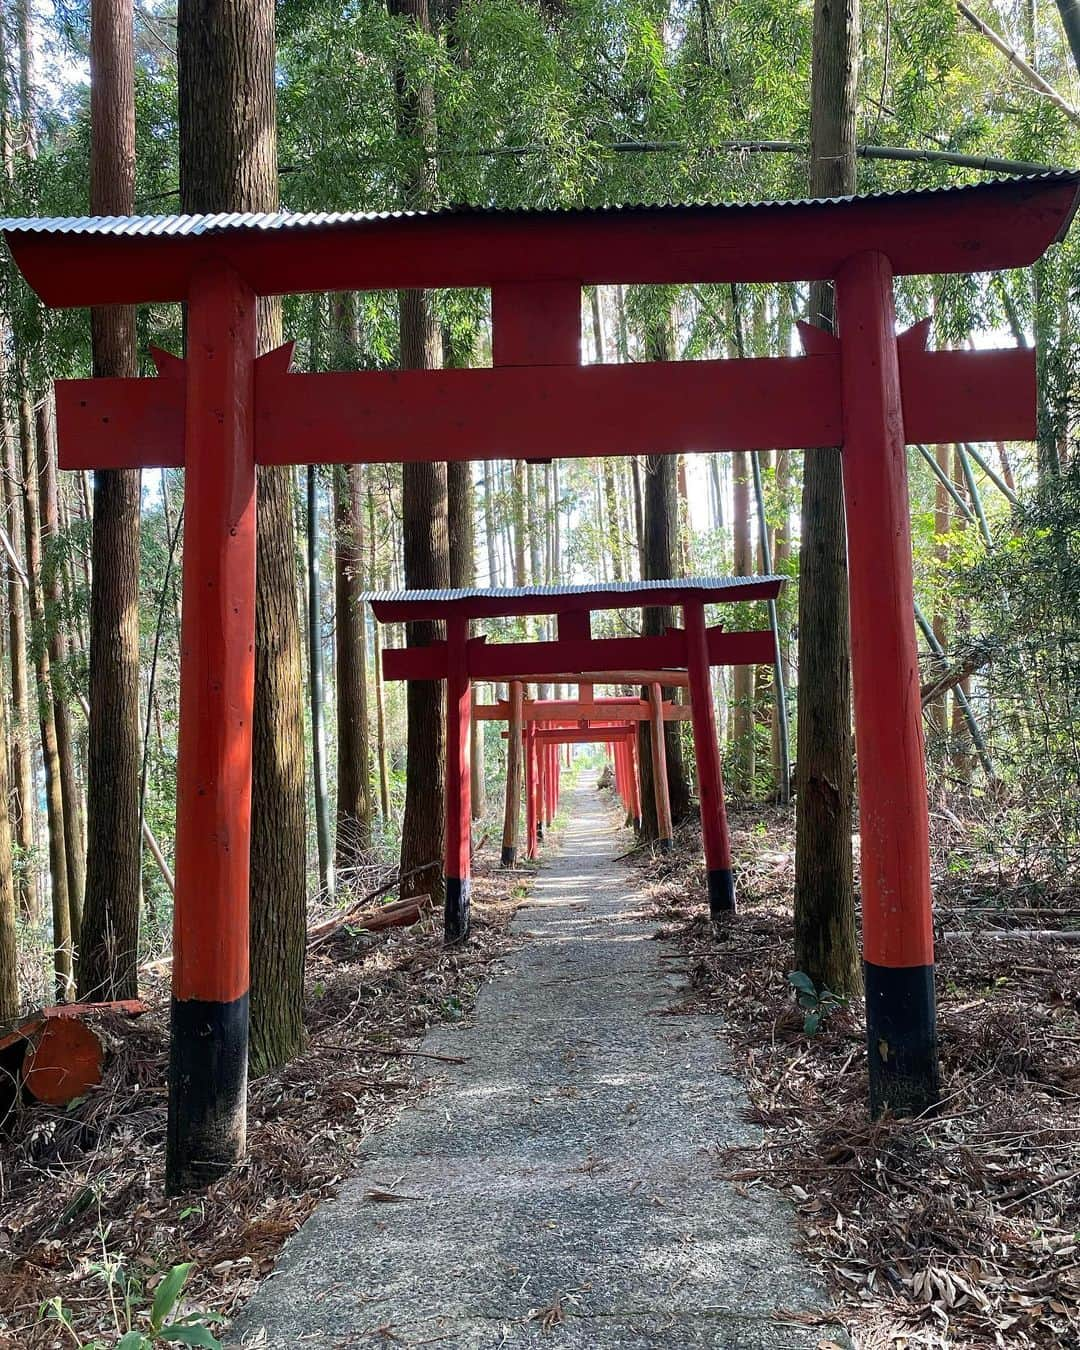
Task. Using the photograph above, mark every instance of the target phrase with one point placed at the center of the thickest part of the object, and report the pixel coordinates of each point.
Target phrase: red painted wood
(507, 660)
(635, 779)
(964, 396)
(659, 764)
(894, 825)
(531, 804)
(121, 424)
(535, 411)
(536, 323)
(543, 710)
(581, 735)
(217, 669)
(980, 228)
(63, 1061)
(714, 826)
(458, 843)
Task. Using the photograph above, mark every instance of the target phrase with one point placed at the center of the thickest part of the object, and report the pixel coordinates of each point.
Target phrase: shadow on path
(562, 1186)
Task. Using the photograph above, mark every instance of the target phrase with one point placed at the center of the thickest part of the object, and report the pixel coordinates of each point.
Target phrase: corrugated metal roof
(599, 588)
(239, 221)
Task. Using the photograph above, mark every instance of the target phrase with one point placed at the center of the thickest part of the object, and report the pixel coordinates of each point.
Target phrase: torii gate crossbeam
(221, 412)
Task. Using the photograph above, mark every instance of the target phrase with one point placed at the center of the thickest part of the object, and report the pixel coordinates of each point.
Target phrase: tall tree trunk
(742, 714)
(74, 848)
(354, 804)
(317, 685)
(109, 945)
(489, 524)
(354, 801)
(58, 874)
(425, 529)
(380, 704)
(9, 955)
(228, 162)
(661, 528)
(23, 797)
(825, 939)
(938, 709)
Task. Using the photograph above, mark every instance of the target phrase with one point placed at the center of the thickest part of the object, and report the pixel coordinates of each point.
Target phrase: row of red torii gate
(223, 410)
(680, 656)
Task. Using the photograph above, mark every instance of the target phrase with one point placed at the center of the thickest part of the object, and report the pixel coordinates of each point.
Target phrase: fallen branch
(397, 914)
(1030, 74)
(1016, 934)
(971, 661)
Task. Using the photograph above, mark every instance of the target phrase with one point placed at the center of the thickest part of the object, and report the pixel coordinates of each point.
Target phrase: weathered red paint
(979, 228)
(543, 710)
(458, 842)
(659, 766)
(656, 408)
(714, 826)
(894, 825)
(532, 841)
(217, 667)
(507, 660)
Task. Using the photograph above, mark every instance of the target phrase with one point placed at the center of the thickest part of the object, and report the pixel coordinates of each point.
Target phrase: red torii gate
(583, 711)
(462, 660)
(222, 411)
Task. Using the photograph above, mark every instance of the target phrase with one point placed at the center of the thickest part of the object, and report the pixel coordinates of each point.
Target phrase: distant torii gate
(221, 411)
(517, 711)
(690, 650)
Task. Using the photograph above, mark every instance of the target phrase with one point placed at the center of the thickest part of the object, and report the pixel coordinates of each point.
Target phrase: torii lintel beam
(505, 660)
(549, 710)
(648, 408)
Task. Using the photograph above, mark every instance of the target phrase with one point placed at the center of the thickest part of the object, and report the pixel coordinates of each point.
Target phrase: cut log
(398, 914)
(55, 1054)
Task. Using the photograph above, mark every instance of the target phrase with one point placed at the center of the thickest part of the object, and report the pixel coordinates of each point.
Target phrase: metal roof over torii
(108, 260)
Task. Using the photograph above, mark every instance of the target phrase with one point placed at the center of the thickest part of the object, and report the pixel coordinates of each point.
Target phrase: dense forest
(109, 108)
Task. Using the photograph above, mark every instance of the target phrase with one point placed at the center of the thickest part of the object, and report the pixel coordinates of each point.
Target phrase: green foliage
(818, 1004)
(139, 1328)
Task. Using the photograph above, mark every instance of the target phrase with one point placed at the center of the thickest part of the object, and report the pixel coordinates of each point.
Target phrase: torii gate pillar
(898, 940)
(209, 1040)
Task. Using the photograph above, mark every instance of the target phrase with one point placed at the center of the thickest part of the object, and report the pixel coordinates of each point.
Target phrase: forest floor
(83, 1216)
(960, 1230)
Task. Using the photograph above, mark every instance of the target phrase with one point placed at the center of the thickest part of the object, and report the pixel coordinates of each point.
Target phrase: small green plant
(125, 1296)
(817, 1004)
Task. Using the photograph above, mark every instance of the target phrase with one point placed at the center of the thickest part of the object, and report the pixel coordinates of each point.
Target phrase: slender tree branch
(1030, 74)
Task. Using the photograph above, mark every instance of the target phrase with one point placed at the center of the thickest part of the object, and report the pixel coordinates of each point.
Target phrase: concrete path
(563, 1191)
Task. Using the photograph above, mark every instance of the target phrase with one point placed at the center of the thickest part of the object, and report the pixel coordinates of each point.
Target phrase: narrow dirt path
(560, 1184)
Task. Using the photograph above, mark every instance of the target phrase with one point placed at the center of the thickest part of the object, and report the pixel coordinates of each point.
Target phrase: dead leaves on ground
(955, 1231)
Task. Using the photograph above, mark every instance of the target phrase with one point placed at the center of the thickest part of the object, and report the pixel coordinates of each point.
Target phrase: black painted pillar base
(207, 1129)
(539, 831)
(665, 845)
(721, 892)
(901, 1034)
(637, 824)
(509, 857)
(456, 912)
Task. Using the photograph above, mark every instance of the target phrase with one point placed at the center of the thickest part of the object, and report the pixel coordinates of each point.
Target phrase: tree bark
(317, 684)
(354, 804)
(742, 713)
(825, 939)
(424, 509)
(22, 795)
(9, 955)
(109, 944)
(54, 803)
(70, 796)
(661, 543)
(228, 162)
